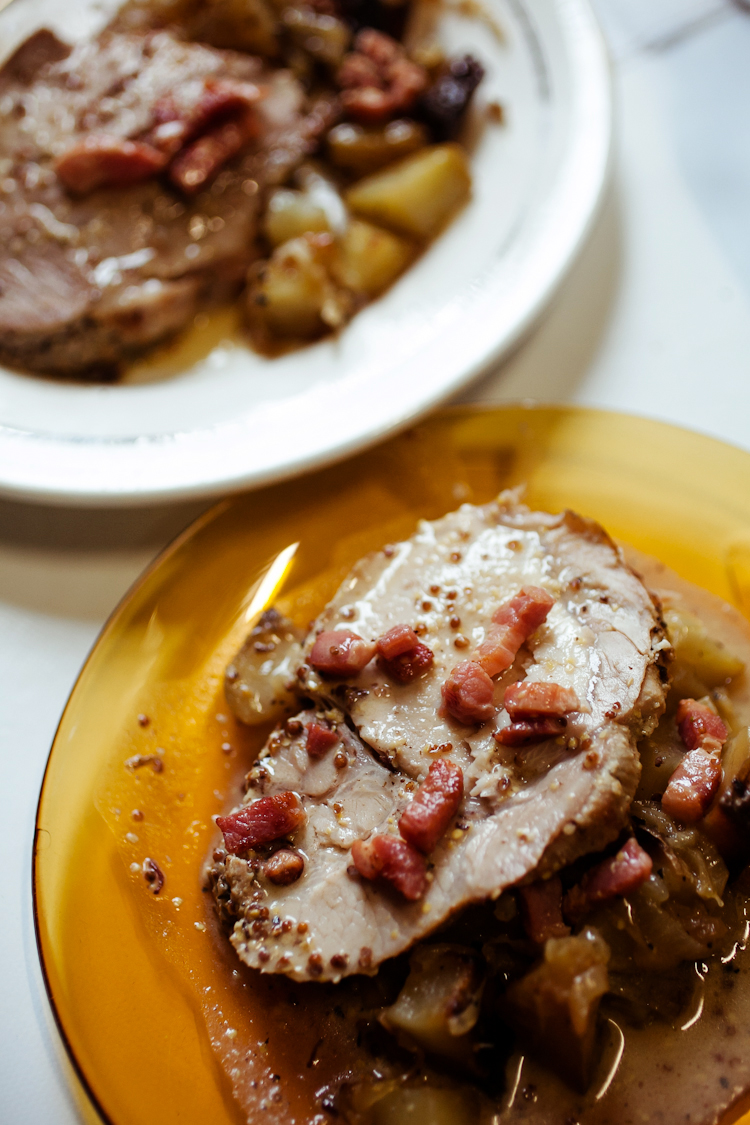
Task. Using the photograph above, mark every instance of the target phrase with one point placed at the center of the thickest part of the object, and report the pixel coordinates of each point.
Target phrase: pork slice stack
(498, 748)
(101, 253)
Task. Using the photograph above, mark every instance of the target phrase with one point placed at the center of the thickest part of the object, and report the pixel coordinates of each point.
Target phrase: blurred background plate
(141, 991)
(208, 415)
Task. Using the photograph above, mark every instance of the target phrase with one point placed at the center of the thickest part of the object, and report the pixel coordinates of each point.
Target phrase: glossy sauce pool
(159, 1015)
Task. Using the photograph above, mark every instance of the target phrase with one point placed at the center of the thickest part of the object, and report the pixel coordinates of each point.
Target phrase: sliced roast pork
(499, 667)
(345, 794)
(132, 171)
(602, 637)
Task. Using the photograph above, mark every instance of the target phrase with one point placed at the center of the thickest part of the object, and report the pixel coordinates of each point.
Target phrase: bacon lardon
(612, 878)
(340, 653)
(535, 699)
(377, 79)
(694, 784)
(401, 654)
(433, 806)
(101, 161)
(394, 861)
(468, 694)
(541, 910)
(261, 822)
(320, 738)
(692, 787)
(512, 625)
(526, 732)
(700, 727)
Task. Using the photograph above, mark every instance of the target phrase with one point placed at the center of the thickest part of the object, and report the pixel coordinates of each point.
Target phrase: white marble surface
(654, 319)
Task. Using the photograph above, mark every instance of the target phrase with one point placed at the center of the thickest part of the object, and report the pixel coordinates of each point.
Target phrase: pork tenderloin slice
(603, 639)
(42, 291)
(346, 794)
(330, 922)
(89, 260)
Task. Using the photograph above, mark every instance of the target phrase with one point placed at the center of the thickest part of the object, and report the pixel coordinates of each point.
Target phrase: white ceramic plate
(208, 415)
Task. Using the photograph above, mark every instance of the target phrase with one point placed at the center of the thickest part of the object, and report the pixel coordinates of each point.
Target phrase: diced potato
(255, 681)
(292, 213)
(244, 25)
(426, 1105)
(293, 296)
(369, 258)
(697, 655)
(554, 1006)
(360, 150)
(416, 196)
(324, 37)
(439, 1004)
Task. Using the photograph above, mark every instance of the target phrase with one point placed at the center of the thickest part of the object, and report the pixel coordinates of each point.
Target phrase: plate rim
(40, 467)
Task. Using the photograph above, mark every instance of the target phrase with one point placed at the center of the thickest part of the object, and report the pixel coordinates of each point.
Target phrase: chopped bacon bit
(692, 787)
(401, 654)
(195, 165)
(433, 806)
(528, 731)
(222, 99)
(261, 822)
(320, 738)
(377, 79)
(700, 727)
(397, 641)
(101, 161)
(392, 859)
(512, 624)
(409, 665)
(341, 653)
(611, 878)
(541, 909)
(468, 693)
(532, 700)
(284, 867)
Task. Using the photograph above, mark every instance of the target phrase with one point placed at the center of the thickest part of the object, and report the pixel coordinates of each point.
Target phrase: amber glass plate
(158, 1021)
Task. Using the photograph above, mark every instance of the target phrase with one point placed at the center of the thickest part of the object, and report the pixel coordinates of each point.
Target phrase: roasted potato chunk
(426, 1105)
(554, 1006)
(439, 1004)
(290, 214)
(243, 25)
(293, 295)
(360, 150)
(255, 681)
(323, 37)
(417, 195)
(700, 662)
(369, 258)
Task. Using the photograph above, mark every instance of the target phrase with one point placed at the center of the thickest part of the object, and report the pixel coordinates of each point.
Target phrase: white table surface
(654, 319)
